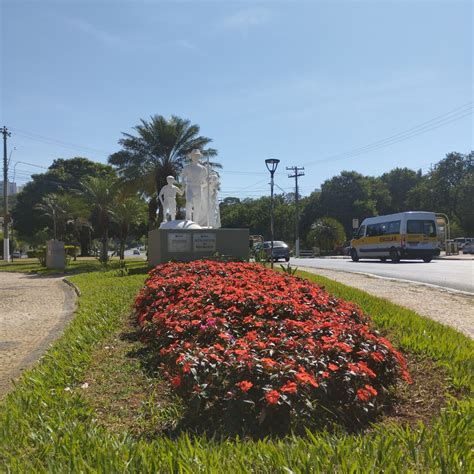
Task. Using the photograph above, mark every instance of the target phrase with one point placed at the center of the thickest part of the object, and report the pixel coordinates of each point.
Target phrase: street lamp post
(272, 165)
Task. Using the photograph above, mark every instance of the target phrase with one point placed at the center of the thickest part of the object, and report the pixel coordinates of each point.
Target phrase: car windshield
(279, 243)
(276, 243)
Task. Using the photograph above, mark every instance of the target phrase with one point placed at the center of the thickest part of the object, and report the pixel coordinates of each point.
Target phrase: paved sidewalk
(33, 313)
(451, 308)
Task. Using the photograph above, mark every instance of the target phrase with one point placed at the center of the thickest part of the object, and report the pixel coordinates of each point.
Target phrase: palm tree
(50, 206)
(101, 194)
(159, 150)
(127, 212)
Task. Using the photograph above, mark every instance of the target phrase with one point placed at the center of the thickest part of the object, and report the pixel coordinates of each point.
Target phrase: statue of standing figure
(214, 210)
(167, 197)
(194, 177)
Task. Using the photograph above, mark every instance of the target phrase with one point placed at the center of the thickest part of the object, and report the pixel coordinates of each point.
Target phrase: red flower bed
(240, 337)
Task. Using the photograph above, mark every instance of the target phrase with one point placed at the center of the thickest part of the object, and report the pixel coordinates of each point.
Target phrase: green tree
(447, 188)
(51, 207)
(399, 182)
(311, 210)
(158, 150)
(380, 195)
(127, 212)
(326, 233)
(254, 214)
(347, 196)
(465, 203)
(101, 194)
(63, 176)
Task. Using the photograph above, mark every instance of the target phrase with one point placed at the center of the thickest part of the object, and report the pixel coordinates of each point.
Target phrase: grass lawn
(81, 265)
(52, 422)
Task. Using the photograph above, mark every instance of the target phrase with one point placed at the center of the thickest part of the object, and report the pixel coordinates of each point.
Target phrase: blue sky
(305, 82)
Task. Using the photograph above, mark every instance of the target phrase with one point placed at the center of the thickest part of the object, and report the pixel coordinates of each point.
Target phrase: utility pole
(297, 172)
(6, 216)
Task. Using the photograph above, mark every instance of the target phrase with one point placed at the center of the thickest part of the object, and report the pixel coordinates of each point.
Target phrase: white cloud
(243, 20)
(102, 36)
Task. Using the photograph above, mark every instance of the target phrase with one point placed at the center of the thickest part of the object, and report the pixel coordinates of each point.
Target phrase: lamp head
(272, 164)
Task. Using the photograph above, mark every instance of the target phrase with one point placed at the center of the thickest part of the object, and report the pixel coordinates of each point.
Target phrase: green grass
(81, 265)
(45, 428)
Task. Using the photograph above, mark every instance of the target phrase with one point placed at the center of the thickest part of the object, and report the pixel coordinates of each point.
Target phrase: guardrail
(306, 253)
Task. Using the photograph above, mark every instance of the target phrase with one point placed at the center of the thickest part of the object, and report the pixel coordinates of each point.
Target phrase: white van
(407, 235)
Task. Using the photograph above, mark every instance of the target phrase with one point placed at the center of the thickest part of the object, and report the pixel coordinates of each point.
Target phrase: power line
(53, 141)
(424, 127)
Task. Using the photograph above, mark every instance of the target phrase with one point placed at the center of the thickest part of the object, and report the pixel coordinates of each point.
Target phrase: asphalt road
(452, 274)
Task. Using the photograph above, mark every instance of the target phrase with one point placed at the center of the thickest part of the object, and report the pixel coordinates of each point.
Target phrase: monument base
(55, 255)
(185, 245)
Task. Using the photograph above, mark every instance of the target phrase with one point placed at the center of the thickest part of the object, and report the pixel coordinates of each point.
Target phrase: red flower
(305, 378)
(289, 387)
(365, 394)
(272, 397)
(225, 321)
(377, 356)
(245, 385)
(268, 363)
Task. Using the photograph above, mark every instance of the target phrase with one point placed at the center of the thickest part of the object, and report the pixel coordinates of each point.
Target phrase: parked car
(16, 254)
(344, 249)
(280, 250)
(468, 248)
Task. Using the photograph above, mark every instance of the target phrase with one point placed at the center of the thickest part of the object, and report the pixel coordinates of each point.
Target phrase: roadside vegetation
(98, 207)
(94, 404)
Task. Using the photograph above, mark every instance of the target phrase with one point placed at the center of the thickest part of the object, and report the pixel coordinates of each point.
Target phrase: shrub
(262, 346)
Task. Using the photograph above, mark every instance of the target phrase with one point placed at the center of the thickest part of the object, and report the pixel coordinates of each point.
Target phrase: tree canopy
(157, 150)
(63, 176)
(447, 188)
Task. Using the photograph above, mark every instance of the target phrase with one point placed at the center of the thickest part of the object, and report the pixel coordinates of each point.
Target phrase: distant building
(12, 188)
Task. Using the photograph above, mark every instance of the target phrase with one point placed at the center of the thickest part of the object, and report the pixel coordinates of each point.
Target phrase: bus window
(393, 227)
(372, 230)
(421, 227)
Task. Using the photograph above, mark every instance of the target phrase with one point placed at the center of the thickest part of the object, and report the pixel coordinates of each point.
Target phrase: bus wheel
(427, 259)
(394, 256)
(354, 256)
(383, 259)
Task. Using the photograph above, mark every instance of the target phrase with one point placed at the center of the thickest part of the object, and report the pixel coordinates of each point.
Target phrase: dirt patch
(424, 399)
(127, 393)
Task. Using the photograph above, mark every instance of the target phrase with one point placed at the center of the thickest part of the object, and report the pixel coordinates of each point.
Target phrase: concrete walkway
(33, 313)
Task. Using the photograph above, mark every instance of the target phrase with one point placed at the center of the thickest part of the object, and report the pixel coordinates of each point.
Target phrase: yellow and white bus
(406, 235)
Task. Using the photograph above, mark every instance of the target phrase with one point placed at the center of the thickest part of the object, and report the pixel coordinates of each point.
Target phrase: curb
(339, 257)
(380, 277)
(73, 286)
(460, 259)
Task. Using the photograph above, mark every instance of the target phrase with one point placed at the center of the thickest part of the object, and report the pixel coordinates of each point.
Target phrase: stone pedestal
(55, 255)
(185, 245)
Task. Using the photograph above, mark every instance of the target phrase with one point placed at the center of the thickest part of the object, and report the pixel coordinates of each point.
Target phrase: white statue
(214, 210)
(167, 197)
(194, 177)
(203, 208)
